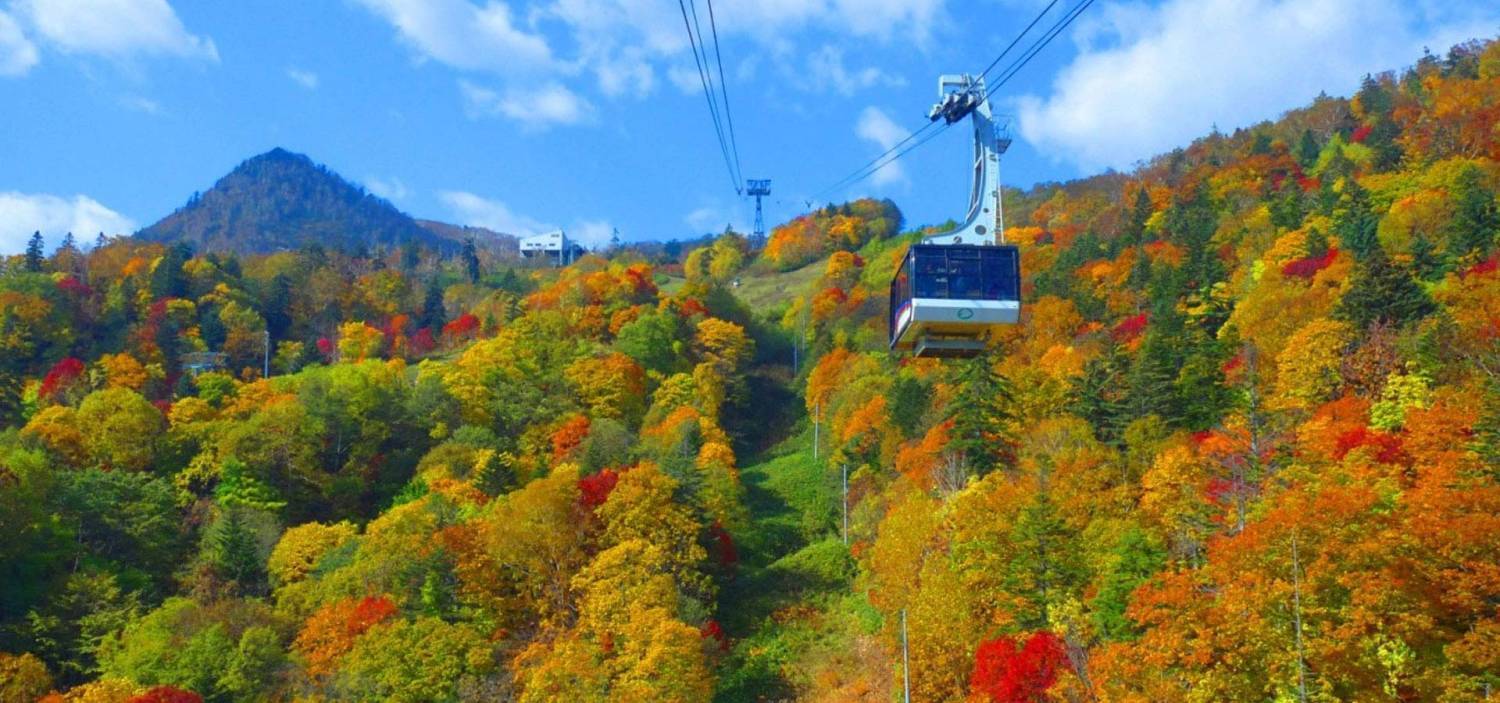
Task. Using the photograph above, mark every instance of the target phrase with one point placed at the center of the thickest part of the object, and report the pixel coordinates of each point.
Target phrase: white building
(553, 245)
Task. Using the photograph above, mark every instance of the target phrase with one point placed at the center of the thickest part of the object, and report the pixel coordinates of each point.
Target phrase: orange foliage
(330, 632)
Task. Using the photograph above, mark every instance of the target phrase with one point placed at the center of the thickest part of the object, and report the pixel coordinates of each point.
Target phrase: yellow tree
(121, 429)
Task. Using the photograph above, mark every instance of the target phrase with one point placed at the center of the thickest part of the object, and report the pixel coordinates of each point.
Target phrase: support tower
(758, 189)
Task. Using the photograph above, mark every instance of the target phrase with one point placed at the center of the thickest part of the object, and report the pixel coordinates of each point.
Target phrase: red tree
(1006, 673)
(167, 694)
(1129, 328)
(1308, 266)
(60, 377)
(594, 490)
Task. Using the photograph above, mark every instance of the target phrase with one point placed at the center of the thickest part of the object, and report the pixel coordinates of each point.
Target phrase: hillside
(503, 245)
(1243, 446)
(280, 201)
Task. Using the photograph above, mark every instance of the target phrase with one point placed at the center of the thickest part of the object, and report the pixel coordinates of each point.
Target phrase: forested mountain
(281, 200)
(1244, 446)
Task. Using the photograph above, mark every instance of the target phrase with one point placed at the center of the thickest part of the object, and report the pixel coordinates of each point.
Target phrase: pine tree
(232, 550)
(434, 316)
(1204, 397)
(1135, 559)
(411, 255)
(1355, 222)
(1047, 567)
(1382, 291)
(1487, 429)
(211, 327)
(1425, 260)
(1134, 233)
(471, 260)
(10, 397)
(1476, 219)
(1308, 149)
(277, 308)
(1316, 243)
(1099, 394)
(982, 415)
(167, 279)
(34, 253)
(908, 402)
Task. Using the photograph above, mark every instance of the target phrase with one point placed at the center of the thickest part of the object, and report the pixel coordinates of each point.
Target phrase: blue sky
(587, 114)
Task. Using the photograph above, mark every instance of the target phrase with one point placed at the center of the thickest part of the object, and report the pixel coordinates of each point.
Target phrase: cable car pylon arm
(965, 96)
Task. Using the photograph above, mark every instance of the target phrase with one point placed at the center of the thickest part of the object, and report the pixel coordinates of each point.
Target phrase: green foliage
(236, 546)
(1047, 567)
(1383, 291)
(909, 399)
(70, 628)
(223, 651)
(1402, 391)
(1475, 226)
(421, 660)
(654, 340)
(983, 416)
(1135, 559)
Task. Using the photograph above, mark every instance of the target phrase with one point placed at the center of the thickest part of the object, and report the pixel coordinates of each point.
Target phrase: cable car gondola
(955, 289)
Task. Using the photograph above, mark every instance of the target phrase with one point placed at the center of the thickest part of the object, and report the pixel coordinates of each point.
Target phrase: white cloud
(704, 219)
(304, 78)
(551, 104)
(141, 104)
(17, 54)
(711, 219)
(826, 71)
(21, 214)
(389, 188)
(623, 45)
(592, 234)
(465, 36)
(876, 126)
(114, 28)
(476, 211)
(1148, 79)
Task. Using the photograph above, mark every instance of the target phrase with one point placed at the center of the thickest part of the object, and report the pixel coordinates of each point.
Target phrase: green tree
(1487, 429)
(653, 340)
(1476, 218)
(1355, 221)
(982, 413)
(168, 279)
(434, 315)
(909, 400)
(1100, 394)
(1382, 290)
(1134, 559)
(233, 550)
(34, 253)
(68, 632)
(1047, 567)
(277, 306)
(422, 660)
(1308, 149)
(471, 260)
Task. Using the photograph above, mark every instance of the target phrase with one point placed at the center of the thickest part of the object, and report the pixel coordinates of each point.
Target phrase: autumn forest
(1244, 446)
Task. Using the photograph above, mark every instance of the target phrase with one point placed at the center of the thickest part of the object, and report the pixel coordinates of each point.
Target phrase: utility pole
(267, 372)
(846, 504)
(1297, 614)
(817, 413)
(905, 662)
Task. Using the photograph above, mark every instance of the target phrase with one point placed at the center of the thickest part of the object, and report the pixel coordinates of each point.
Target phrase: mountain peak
(284, 200)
